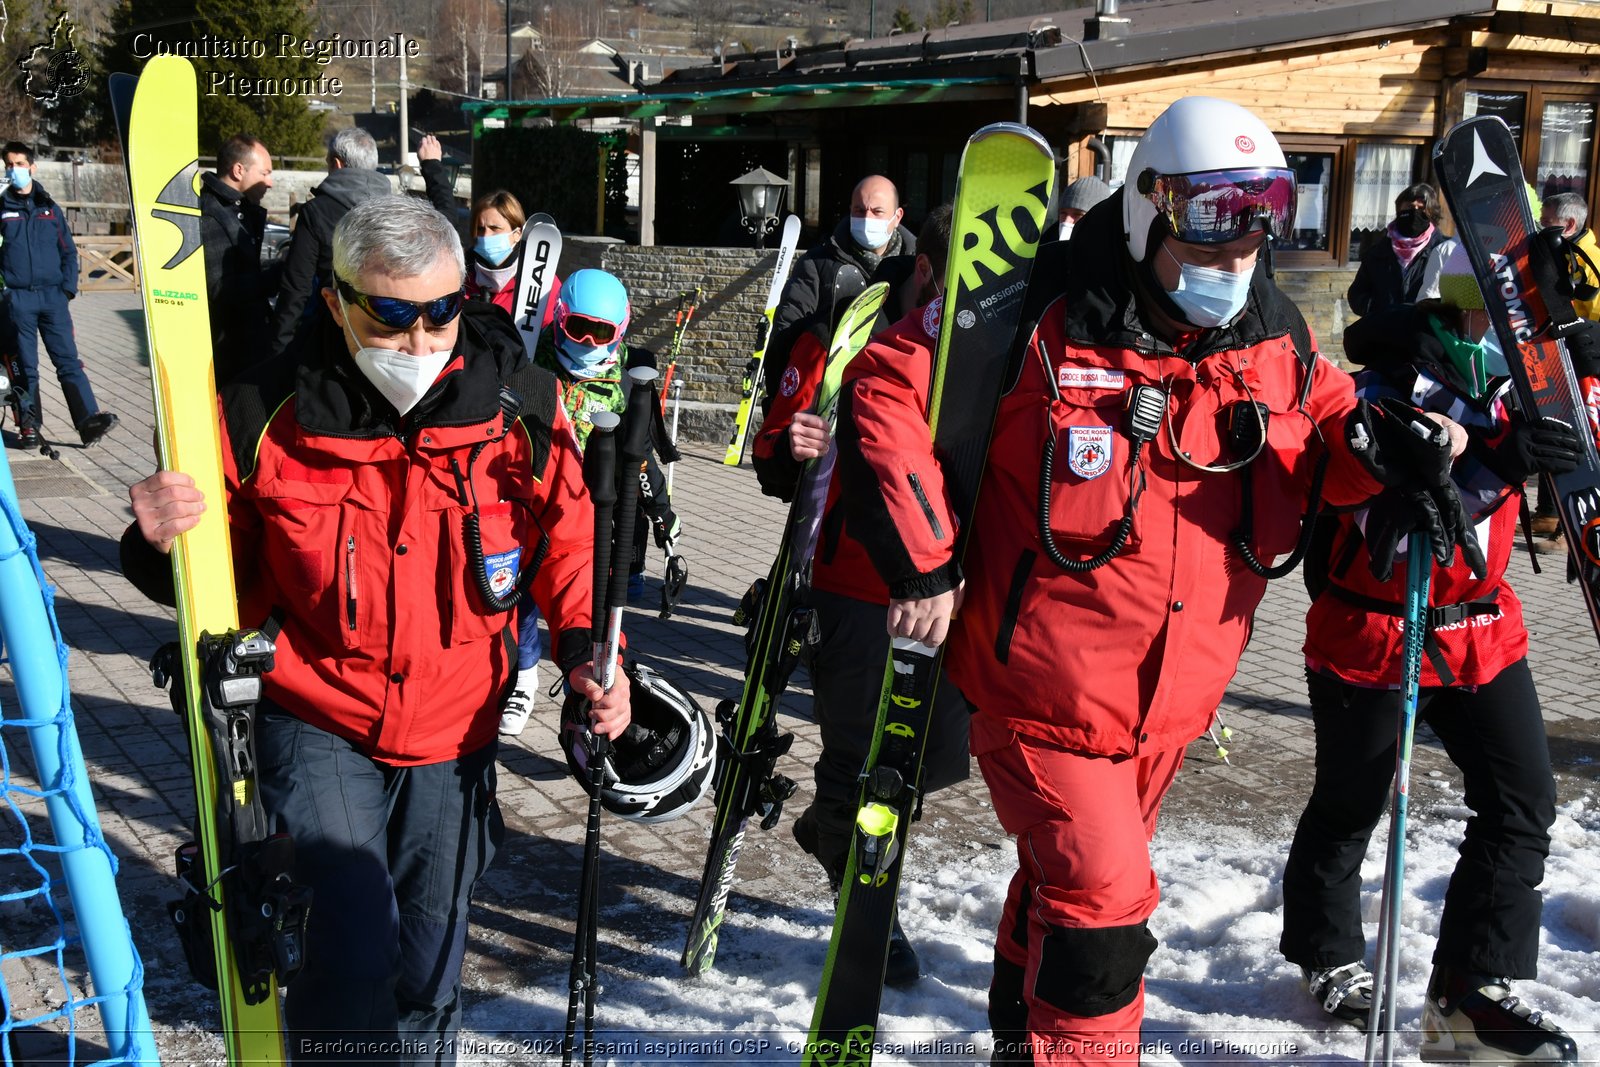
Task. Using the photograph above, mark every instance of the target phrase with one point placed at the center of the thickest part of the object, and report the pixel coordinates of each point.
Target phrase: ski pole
(600, 477)
(1419, 570)
(677, 403)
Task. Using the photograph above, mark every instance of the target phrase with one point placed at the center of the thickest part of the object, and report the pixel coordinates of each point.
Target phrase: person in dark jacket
(232, 221)
(1392, 268)
(352, 178)
(39, 264)
(850, 601)
(832, 274)
(352, 469)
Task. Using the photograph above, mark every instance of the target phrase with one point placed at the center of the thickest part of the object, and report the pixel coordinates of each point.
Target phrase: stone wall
(725, 327)
(735, 281)
(1320, 296)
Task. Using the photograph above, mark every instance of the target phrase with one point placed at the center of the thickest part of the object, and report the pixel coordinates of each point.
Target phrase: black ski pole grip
(600, 477)
(632, 451)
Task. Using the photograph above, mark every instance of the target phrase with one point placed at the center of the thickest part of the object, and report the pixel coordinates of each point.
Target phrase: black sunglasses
(397, 314)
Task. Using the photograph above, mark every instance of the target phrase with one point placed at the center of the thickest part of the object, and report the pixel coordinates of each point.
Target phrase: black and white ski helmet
(662, 764)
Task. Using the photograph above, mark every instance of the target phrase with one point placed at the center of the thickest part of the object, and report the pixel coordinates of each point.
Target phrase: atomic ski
(752, 370)
(750, 742)
(1002, 192)
(1480, 167)
(241, 919)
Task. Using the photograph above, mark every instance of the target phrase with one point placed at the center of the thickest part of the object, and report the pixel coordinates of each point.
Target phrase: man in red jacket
(352, 472)
(850, 600)
(1177, 397)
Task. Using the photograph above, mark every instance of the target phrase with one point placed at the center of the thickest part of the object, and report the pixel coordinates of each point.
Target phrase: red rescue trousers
(1074, 918)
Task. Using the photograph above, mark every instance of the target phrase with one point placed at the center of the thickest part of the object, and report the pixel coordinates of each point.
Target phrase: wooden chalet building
(1356, 90)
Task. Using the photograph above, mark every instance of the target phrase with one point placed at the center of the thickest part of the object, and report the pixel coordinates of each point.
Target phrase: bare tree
(372, 20)
(709, 21)
(451, 46)
(567, 26)
(486, 27)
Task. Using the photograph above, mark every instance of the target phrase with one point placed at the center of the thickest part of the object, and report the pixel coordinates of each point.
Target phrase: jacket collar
(220, 189)
(333, 398)
(36, 196)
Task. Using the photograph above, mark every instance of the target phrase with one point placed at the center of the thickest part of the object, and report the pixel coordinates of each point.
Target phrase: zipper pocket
(350, 581)
(927, 508)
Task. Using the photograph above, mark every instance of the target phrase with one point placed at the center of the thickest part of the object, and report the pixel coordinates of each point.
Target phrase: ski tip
(1010, 129)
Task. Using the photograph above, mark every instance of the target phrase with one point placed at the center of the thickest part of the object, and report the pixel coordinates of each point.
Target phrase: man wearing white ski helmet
(1207, 186)
(1167, 423)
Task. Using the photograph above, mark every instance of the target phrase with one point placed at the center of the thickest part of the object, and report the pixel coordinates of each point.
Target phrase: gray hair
(1566, 206)
(400, 236)
(355, 148)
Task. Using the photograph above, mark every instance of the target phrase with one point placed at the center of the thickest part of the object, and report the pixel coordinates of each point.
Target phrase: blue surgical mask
(493, 247)
(870, 233)
(1207, 296)
(20, 177)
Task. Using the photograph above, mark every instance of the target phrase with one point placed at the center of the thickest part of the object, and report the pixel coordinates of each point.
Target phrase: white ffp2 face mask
(401, 377)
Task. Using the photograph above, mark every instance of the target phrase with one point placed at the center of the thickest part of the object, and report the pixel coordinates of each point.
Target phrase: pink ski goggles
(1217, 206)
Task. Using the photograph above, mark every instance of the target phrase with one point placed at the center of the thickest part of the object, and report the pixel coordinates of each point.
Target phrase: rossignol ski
(753, 369)
(750, 744)
(241, 920)
(536, 268)
(1001, 197)
(1480, 167)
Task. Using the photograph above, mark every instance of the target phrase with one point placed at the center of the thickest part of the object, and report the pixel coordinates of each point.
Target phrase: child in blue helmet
(586, 350)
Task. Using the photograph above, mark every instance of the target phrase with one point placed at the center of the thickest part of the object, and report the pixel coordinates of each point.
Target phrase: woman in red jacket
(1477, 697)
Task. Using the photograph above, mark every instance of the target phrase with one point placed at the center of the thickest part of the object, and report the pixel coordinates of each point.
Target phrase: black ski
(1479, 165)
(747, 755)
(1001, 196)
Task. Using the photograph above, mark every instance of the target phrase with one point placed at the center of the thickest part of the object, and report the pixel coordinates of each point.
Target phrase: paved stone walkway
(77, 507)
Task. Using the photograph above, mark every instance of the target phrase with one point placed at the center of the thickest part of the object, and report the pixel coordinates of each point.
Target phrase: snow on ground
(1217, 990)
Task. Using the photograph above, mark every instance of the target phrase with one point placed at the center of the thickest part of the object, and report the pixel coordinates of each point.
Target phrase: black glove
(1546, 446)
(1398, 444)
(1410, 454)
(667, 528)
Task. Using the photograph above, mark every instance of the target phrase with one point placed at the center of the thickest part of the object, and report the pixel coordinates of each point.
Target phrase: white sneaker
(519, 705)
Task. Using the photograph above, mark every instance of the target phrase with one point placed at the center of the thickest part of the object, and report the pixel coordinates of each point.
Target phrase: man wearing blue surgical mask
(832, 274)
(39, 266)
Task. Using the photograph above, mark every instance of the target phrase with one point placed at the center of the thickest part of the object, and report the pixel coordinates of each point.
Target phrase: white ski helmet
(1213, 171)
(661, 765)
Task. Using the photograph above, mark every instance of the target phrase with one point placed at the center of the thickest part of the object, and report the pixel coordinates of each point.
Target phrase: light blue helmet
(591, 318)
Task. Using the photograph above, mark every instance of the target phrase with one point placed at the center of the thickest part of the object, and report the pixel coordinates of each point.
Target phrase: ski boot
(1344, 992)
(901, 968)
(1473, 1018)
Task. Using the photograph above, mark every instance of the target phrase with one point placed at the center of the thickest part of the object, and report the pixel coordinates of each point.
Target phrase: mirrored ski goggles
(1217, 206)
(397, 314)
(588, 331)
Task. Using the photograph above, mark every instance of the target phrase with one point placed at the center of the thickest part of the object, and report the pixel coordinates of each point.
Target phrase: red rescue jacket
(1355, 628)
(1134, 656)
(841, 565)
(348, 528)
